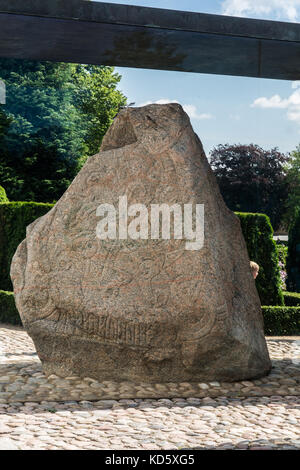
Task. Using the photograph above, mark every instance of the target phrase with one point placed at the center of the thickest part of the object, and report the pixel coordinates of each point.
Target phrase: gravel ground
(37, 412)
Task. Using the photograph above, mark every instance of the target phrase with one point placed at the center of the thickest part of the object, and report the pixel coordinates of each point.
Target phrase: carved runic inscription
(116, 330)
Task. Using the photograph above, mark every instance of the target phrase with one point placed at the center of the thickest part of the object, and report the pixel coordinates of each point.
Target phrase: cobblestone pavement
(220, 423)
(71, 413)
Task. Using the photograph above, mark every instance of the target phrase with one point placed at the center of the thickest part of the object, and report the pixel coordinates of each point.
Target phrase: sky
(225, 109)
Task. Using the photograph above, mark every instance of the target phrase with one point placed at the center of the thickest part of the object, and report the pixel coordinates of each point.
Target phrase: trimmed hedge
(258, 234)
(292, 299)
(281, 321)
(8, 310)
(14, 218)
(3, 197)
(293, 259)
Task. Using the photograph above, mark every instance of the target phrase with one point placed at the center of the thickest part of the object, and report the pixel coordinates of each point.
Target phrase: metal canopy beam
(129, 36)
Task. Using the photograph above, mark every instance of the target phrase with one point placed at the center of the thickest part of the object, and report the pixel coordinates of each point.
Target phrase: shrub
(292, 299)
(258, 234)
(3, 197)
(14, 218)
(282, 255)
(281, 321)
(293, 259)
(280, 243)
(8, 310)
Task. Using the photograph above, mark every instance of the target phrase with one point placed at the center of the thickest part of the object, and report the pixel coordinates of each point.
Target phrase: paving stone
(59, 421)
(7, 444)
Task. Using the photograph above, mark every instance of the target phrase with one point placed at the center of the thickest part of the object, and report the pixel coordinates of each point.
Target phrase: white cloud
(274, 102)
(291, 104)
(190, 109)
(278, 9)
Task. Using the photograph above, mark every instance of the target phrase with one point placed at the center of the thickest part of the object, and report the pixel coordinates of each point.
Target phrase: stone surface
(141, 310)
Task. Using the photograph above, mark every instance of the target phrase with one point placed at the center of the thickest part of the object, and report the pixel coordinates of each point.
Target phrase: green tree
(251, 179)
(54, 117)
(98, 100)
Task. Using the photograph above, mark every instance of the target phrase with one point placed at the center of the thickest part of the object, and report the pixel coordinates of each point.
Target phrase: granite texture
(141, 310)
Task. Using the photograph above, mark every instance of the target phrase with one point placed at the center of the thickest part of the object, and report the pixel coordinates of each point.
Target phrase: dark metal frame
(129, 36)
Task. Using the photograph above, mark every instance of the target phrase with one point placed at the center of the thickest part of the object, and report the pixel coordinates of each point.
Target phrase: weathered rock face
(146, 310)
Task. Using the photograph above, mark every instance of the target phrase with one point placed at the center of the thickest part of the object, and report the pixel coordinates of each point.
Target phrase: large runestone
(141, 310)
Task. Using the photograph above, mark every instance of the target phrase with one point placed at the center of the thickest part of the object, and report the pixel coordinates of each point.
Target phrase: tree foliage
(98, 100)
(54, 117)
(251, 179)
